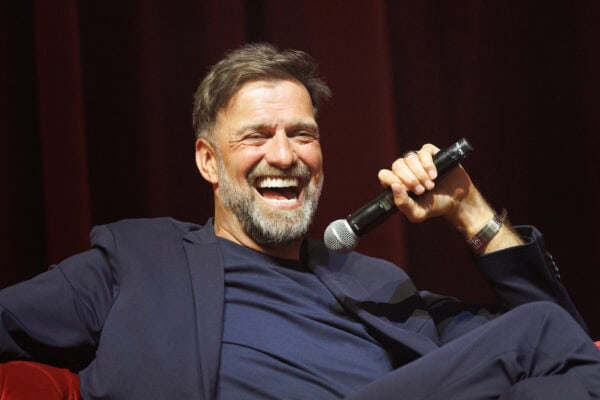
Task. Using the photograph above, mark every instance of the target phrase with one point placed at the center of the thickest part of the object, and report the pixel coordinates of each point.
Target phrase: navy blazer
(140, 314)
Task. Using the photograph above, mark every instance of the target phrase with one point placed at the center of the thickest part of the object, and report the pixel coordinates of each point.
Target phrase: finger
(415, 162)
(407, 205)
(399, 190)
(388, 178)
(405, 175)
(410, 171)
(426, 156)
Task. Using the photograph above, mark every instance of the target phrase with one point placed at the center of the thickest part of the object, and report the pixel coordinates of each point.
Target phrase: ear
(206, 161)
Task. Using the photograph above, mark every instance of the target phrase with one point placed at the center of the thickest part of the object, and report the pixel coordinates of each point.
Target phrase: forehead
(284, 97)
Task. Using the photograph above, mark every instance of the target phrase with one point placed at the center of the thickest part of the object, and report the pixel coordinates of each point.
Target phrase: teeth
(281, 201)
(278, 182)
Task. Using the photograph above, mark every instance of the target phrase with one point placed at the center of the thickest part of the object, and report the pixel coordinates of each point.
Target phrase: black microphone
(342, 235)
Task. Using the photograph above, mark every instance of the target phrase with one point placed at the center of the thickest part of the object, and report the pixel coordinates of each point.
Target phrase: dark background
(96, 109)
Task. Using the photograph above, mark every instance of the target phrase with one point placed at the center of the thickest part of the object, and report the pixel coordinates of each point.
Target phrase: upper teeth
(278, 182)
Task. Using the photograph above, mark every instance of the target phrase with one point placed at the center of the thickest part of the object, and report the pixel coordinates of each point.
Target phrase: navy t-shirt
(285, 336)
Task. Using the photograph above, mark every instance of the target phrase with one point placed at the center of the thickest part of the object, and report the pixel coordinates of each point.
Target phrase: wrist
(474, 213)
(487, 233)
(471, 214)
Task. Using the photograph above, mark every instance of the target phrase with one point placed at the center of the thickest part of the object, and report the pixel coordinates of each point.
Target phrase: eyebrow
(298, 126)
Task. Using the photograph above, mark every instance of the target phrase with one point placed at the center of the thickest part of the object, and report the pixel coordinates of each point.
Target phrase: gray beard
(268, 226)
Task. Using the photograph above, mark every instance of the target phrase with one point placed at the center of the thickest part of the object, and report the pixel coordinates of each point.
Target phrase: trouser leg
(549, 387)
(533, 340)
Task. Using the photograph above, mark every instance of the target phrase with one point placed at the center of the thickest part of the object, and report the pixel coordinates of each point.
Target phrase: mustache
(299, 170)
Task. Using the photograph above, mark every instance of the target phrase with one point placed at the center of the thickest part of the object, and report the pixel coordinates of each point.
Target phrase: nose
(280, 152)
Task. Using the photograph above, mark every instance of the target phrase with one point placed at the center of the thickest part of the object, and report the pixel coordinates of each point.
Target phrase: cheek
(312, 157)
(243, 162)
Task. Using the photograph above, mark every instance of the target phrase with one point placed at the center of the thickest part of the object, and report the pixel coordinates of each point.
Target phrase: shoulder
(146, 249)
(163, 224)
(144, 232)
(149, 226)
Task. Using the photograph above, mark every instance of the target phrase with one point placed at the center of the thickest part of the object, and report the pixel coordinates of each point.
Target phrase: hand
(415, 172)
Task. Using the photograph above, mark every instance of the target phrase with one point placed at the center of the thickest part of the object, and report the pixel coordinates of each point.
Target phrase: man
(246, 307)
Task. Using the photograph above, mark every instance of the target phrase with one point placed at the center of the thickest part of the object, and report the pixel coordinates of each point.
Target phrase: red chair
(22, 380)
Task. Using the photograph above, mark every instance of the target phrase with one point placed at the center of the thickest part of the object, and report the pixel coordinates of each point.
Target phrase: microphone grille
(340, 237)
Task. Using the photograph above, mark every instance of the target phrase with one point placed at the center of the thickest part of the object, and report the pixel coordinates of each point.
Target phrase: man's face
(269, 157)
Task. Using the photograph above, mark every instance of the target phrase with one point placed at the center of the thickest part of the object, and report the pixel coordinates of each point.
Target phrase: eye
(255, 137)
(305, 135)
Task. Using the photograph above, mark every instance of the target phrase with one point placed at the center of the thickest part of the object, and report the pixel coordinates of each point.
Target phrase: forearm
(472, 214)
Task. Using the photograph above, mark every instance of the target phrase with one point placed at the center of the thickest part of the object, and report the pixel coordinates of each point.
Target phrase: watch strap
(487, 233)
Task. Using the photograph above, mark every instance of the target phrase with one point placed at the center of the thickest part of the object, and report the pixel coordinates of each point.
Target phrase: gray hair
(252, 62)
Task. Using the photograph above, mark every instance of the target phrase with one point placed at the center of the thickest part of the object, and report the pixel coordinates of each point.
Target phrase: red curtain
(96, 105)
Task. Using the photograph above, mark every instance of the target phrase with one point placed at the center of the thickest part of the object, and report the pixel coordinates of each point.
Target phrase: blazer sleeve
(526, 273)
(518, 275)
(57, 316)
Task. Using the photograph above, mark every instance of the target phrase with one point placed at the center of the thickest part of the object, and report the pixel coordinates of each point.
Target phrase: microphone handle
(382, 207)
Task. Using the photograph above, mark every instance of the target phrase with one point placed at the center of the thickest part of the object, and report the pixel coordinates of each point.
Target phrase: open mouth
(279, 190)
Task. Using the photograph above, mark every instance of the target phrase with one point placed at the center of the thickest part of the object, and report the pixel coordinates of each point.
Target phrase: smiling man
(246, 307)
(264, 160)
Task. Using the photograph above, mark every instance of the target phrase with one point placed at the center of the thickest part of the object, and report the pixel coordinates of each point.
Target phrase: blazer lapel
(395, 311)
(206, 271)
